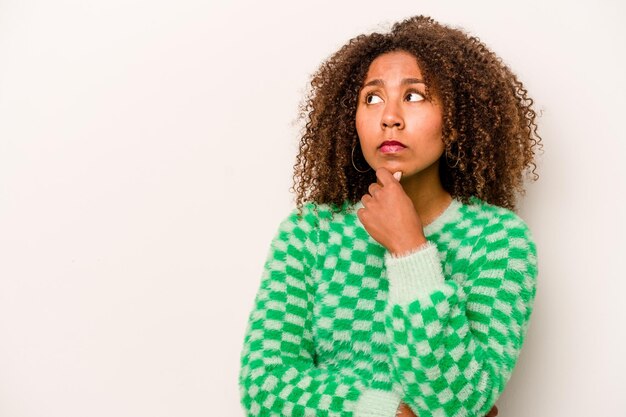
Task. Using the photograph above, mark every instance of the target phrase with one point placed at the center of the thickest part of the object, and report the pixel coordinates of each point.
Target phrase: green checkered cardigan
(339, 327)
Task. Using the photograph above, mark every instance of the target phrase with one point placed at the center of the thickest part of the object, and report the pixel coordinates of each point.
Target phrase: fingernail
(397, 175)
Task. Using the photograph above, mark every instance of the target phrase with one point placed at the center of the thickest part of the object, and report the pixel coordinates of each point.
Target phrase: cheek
(360, 124)
(433, 124)
(436, 130)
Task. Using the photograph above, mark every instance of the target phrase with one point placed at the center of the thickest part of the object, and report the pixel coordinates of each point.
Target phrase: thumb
(397, 175)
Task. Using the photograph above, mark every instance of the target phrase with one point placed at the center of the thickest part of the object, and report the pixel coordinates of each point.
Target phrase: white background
(146, 152)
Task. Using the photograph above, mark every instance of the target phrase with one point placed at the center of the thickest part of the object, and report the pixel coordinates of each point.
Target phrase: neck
(429, 197)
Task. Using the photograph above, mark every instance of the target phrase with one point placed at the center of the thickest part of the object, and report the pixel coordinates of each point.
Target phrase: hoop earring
(352, 159)
(458, 158)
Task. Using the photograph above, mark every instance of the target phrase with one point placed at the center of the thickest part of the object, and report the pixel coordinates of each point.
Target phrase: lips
(392, 143)
(391, 146)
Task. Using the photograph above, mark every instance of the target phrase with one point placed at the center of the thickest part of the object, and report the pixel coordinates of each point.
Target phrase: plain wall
(146, 153)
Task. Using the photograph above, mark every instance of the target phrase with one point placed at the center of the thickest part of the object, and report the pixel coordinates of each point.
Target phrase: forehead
(396, 64)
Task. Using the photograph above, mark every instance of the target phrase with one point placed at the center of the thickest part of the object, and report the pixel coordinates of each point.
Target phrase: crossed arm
(445, 349)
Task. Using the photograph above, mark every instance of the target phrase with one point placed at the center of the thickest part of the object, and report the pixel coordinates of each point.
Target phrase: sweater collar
(451, 214)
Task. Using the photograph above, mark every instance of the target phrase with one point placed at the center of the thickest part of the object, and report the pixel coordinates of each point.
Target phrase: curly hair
(489, 130)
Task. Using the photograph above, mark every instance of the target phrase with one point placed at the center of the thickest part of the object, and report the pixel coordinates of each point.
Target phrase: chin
(391, 167)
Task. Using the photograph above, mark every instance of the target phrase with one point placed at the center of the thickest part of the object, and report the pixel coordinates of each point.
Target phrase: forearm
(441, 342)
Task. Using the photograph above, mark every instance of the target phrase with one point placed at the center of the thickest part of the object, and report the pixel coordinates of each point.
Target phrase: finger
(384, 177)
(360, 214)
(373, 188)
(366, 199)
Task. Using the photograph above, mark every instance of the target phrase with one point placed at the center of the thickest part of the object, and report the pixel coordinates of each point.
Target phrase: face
(398, 128)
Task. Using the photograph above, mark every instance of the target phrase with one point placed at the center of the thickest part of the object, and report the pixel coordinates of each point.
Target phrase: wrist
(402, 248)
(376, 403)
(414, 274)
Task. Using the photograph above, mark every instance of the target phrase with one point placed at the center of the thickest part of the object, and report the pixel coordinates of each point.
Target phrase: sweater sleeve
(279, 375)
(454, 343)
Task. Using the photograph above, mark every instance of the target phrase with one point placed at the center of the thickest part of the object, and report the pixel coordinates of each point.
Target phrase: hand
(493, 412)
(389, 216)
(404, 411)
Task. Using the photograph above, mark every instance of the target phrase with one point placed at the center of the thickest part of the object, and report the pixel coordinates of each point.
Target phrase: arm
(278, 375)
(454, 346)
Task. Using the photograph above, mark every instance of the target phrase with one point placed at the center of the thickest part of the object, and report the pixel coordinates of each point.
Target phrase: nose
(392, 116)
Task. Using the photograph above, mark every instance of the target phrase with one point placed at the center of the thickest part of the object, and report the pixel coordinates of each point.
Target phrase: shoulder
(496, 219)
(505, 235)
(304, 221)
(312, 214)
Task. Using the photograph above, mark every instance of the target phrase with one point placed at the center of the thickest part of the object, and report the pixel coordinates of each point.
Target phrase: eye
(415, 96)
(372, 98)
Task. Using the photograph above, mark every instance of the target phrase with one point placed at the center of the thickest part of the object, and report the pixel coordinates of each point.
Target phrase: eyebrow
(406, 81)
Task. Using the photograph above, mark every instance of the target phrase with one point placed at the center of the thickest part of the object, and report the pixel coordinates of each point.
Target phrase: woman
(404, 282)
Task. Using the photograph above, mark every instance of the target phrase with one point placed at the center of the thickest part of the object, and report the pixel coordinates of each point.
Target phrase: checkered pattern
(341, 328)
